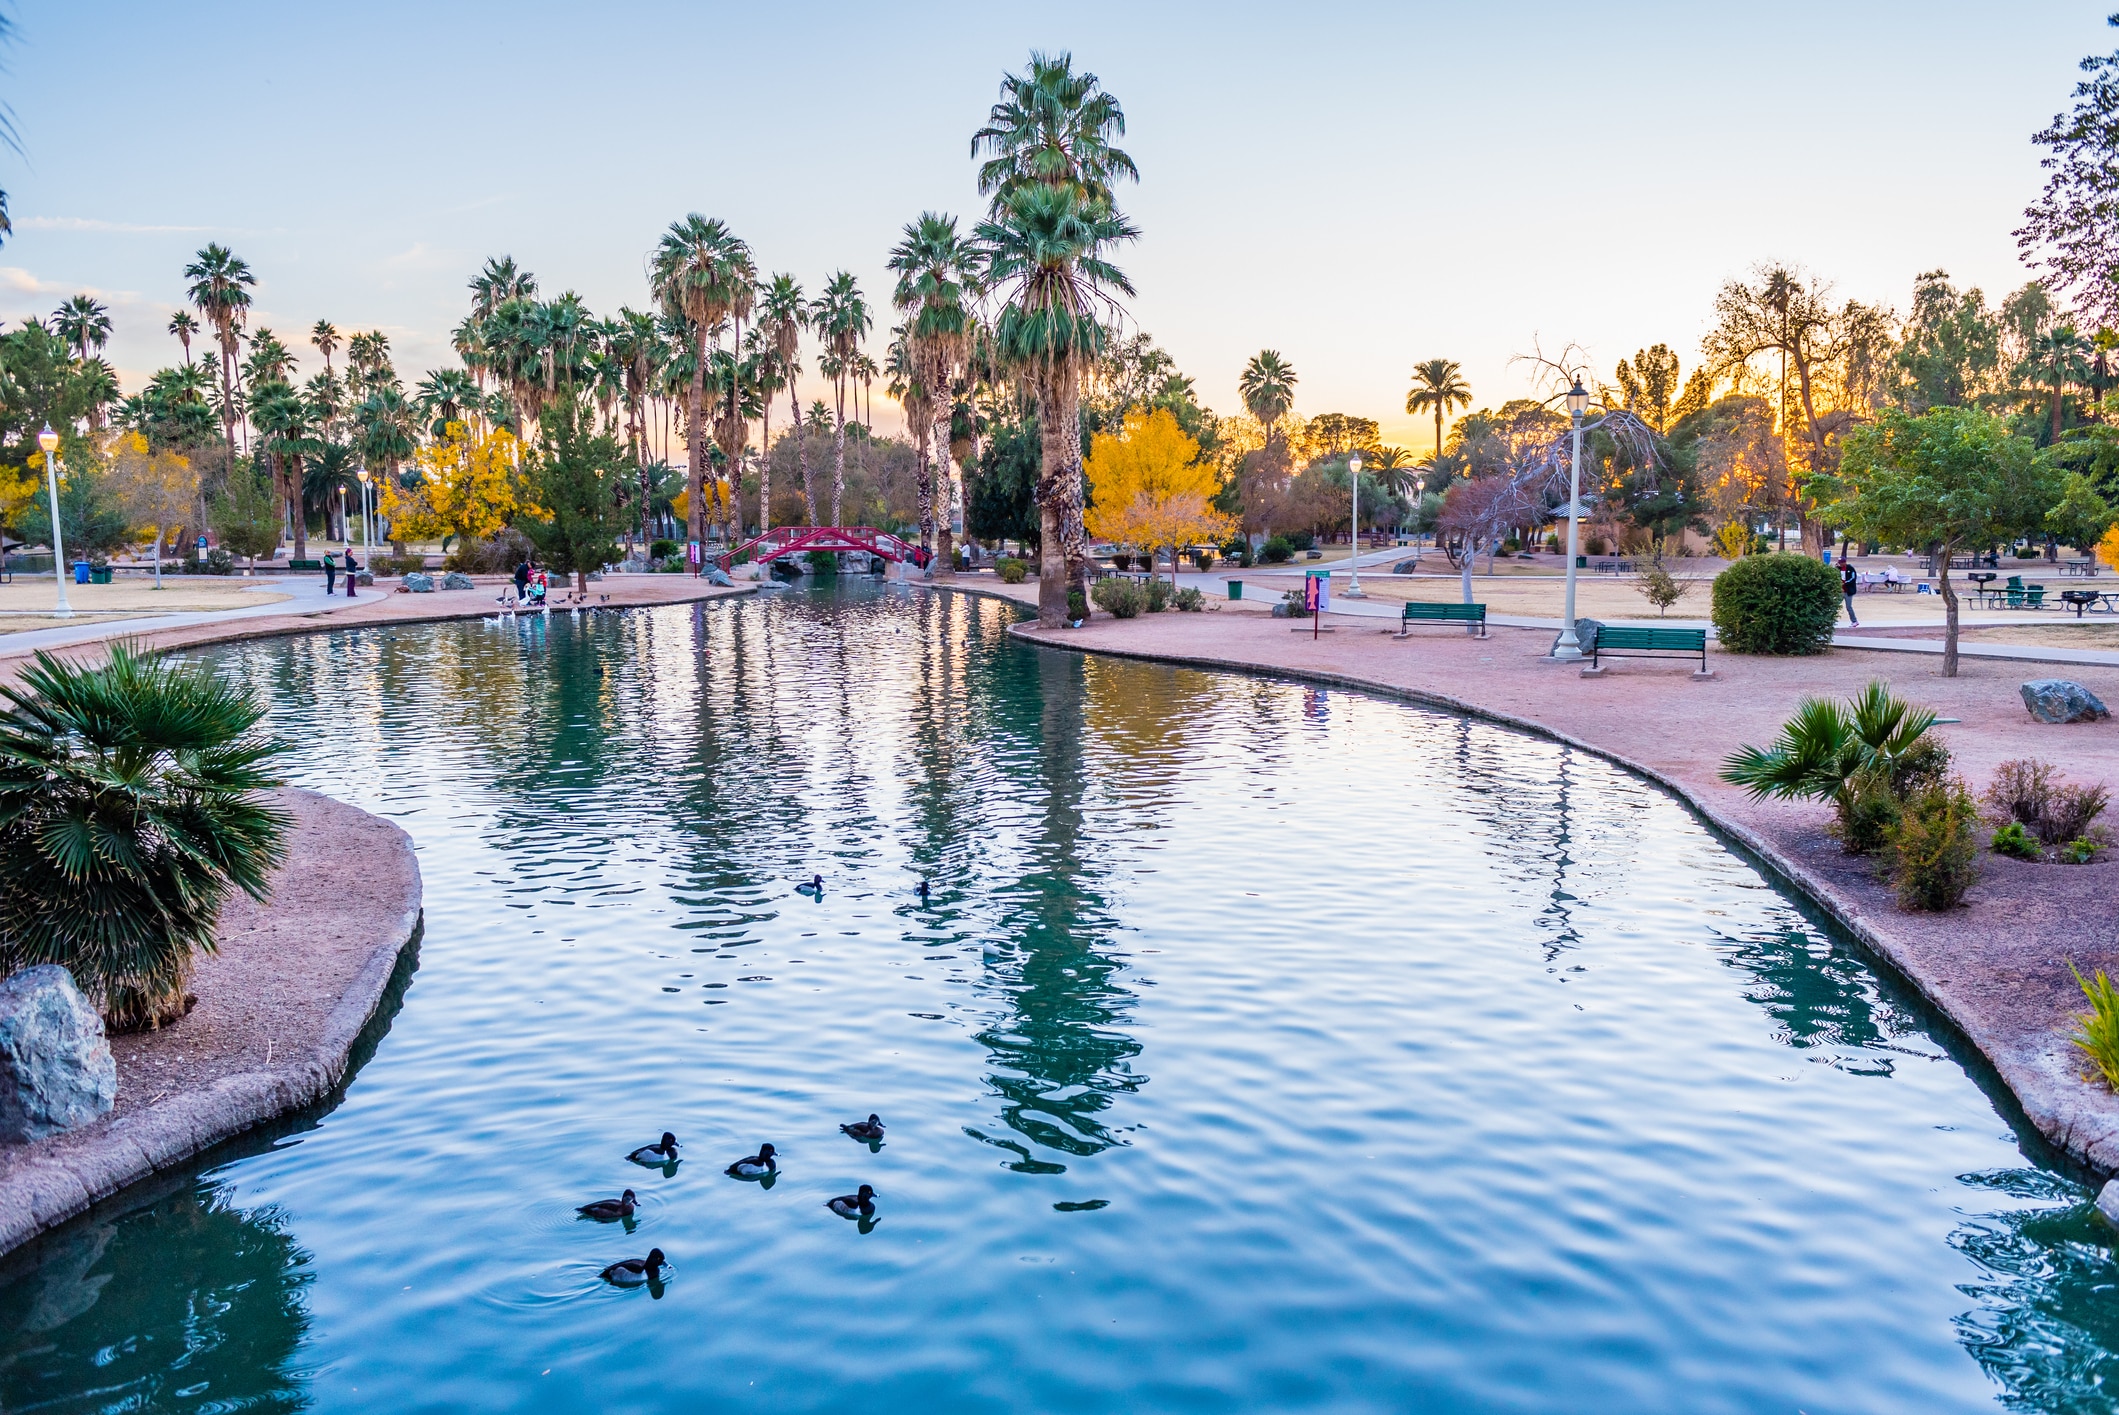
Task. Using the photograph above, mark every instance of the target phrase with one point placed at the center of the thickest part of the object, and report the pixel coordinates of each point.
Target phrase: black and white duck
(869, 1129)
(635, 1272)
(754, 1166)
(608, 1209)
(662, 1152)
(857, 1205)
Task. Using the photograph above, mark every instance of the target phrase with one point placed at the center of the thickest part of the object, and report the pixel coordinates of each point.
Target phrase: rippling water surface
(1262, 1047)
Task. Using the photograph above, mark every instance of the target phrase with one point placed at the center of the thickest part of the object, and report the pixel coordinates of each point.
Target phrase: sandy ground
(1998, 968)
(179, 594)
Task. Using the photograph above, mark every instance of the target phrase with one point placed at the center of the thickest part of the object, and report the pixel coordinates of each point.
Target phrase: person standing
(330, 575)
(353, 572)
(1848, 583)
(522, 579)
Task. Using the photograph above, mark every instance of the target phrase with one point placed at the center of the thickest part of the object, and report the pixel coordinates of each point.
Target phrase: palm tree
(635, 346)
(2057, 355)
(129, 812)
(83, 323)
(783, 316)
(324, 334)
(1394, 467)
(220, 290)
(184, 326)
(1043, 245)
(1826, 748)
(1052, 127)
(935, 268)
(1268, 388)
(1438, 387)
(286, 425)
(387, 435)
(840, 316)
(443, 395)
(695, 275)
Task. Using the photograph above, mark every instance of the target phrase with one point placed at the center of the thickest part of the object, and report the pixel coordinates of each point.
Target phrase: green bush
(2080, 852)
(2097, 1030)
(1932, 854)
(1278, 550)
(2015, 842)
(1293, 605)
(1077, 606)
(1302, 540)
(1552, 545)
(127, 815)
(662, 549)
(2031, 793)
(1121, 599)
(1776, 604)
(1158, 595)
(823, 562)
(1866, 756)
(1011, 570)
(1202, 560)
(1189, 600)
(217, 562)
(387, 565)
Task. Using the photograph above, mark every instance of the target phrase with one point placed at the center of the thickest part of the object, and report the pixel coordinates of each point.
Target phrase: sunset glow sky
(1357, 185)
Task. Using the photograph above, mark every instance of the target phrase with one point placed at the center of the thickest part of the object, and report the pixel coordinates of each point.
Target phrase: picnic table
(1617, 567)
(2104, 601)
(1887, 579)
(2084, 567)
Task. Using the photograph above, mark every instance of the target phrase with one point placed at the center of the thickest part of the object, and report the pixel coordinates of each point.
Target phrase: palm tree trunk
(1052, 578)
(838, 450)
(944, 475)
(809, 490)
(695, 452)
(765, 464)
(301, 518)
(1073, 534)
(923, 487)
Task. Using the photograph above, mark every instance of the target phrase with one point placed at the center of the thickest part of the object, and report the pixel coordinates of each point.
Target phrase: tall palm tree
(287, 433)
(1439, 388)
(695, 273)
(634, 345)
(1267, 387)
(324, 334)
(1052, 127)
(2057, 355)
(936, 269)
(840, 316)
(1043, 246)
(220, 291)
(783, 316)
(83, 323)
(184, 326)
(388, 430)
(443, 395)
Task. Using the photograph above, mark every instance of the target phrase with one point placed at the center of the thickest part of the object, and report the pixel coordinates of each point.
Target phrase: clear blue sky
(1356, 185)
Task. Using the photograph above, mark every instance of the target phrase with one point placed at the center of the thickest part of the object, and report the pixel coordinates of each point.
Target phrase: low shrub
(2097, 1030)
(1158, 595)
(500, 554)
(1552, 545)
(2079, 852)
(823, 562)
(1302, 540)
(1121, 599)
(1932, 854)
(217, 561)
(1188, 600)
(387, 565)
(662, 549)
(2015, 842)
(2033, 794)
(1293, 605)
(1202, 560)
(1776, 604)
(2026, 554)
(1277, 550)
(1661, 588)
(1077, 606)
(1243, 556)
(1596, 545)
(1011, 570)
(1511, 546)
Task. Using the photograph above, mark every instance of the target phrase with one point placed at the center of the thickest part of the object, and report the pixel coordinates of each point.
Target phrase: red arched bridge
(786, 540)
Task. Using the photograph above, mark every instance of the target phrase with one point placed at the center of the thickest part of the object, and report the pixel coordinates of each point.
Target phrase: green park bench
(305, 565)
(1419, 613)
(1626, 641)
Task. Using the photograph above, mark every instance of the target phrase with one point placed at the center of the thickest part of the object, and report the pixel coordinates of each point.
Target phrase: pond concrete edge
(2063, 1111)
(82, 1169)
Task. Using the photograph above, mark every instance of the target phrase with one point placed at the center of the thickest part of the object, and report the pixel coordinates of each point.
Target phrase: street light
(49, 441)
(367, 531)
(1569, 648)
(1353, 566)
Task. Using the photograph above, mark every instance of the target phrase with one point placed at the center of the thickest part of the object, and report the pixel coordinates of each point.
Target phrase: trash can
(1581, 562)
(80, 572)
(1235, 589)
(99, 575)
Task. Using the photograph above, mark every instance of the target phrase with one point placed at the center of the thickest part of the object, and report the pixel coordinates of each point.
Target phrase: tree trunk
(765, 465)
(301, 516)
(944, 478)
(158, 555)
(838, 453)
(809, 490)
(1471, 553)
(695, 455)
(2056, 410)
(1074, 536)
(1949, 608)
(1052, 580)
(923, 485)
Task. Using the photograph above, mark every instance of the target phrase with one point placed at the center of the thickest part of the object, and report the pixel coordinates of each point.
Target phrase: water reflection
(181, 1302)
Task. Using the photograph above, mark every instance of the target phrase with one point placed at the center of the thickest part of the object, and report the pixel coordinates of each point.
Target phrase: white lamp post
(1353, 566)
(1569, 647)
(367, 531)
(49, 441)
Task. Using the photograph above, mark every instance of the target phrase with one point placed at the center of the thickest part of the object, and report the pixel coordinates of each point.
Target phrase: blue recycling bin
(80, 572)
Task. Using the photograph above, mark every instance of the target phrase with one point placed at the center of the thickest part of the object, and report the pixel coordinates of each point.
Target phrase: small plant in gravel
(1077, 606)
(2080, 852)
(1188, 600)
(1011, 570)
(2034, 795)
(1293, 606)
(2097, 1030)
(1866, 757)
(1157, 594)
(1661, 588)
(1932, 853)
(2015, 842)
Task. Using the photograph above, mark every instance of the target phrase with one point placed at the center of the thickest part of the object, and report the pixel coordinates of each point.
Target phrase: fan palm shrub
(1866, 756)
(128, 812)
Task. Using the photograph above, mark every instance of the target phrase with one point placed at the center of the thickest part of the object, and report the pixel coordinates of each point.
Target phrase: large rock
(1585, 634)
(457, 580)
(419, 583)
(2061, 700)
(715, 575)
(56, 1070)
(1403, 567)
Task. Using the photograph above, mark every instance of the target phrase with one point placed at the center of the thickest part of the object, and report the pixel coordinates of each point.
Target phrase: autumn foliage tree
(469, 486)
(1148, 487)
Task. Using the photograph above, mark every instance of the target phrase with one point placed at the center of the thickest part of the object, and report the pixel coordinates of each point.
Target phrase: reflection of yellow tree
(470, 486)
(1149, 487)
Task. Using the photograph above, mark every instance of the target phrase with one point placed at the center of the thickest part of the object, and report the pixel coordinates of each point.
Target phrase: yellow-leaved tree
(1149, 488)
(470, 487)
(158, 489)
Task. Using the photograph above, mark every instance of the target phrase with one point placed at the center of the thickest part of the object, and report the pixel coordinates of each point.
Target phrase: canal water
(1258, 1047)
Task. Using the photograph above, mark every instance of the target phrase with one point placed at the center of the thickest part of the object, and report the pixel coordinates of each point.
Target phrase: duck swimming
(752, 1166)
(869, 1129)
(635, 1272)
(662, 1153)
(815, 886)
(923, 891)
(861, 1205)
(607, 1209)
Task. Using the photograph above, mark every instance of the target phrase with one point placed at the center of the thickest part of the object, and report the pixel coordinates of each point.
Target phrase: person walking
(353, 568)
(330, 575)
(1848, 583)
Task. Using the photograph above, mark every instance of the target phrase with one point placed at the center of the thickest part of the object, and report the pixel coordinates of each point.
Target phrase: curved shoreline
(1985, 1004)
(346, 904)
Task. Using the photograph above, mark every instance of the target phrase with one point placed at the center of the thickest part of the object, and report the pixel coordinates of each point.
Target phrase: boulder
(715, 575)
(1403, 567)
(1585, 635)
(2108, 1201)
(419, 583)
(456, 580)
(56, 1070)
(2062, 700)
(593, 574)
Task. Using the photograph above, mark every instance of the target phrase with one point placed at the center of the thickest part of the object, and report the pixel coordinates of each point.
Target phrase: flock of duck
(640, 1272)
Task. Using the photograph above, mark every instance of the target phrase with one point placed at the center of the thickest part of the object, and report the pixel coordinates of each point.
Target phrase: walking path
(308, 599)
(1997, 968)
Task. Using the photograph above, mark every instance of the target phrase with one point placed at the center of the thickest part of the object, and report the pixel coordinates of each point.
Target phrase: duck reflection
(217, 1329)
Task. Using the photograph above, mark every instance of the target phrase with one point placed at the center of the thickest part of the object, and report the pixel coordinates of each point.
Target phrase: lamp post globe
(1569, 647)
(367, 529)
(49, 442)
(1353, 564)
